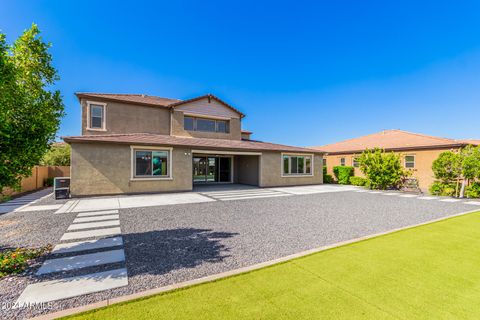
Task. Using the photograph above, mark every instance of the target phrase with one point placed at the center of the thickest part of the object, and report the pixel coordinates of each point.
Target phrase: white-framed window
(96, 116)
(355, 162)
(342, 162)
(151, 163)
(297, 165)
(410, 161)
(205, 124)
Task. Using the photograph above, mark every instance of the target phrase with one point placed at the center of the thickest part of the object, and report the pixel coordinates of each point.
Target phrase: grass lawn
(428, 272)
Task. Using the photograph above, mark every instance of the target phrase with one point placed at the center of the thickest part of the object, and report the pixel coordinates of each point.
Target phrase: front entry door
(212, 169)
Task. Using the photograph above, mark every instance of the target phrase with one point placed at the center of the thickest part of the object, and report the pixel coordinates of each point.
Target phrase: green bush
(343, 174)
(324, 170)
(442, 189)
(358, 181)
(473, 190)
(327, 178)
(48, 182)
(382, 169)
(57, 155)
(16, 261)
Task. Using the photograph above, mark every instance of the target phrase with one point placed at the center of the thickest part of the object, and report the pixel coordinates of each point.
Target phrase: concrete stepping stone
(408, 196)
(96, 218)
(450, 200)
(91, 225)
(81, 261)
(87, 245)
(473, 203)
(91, 233)
(255, 197)
(427, 198)
(96, 213)
(72, 287)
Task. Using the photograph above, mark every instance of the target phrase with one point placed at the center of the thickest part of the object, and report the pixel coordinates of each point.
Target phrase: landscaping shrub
(327, 178)
(383, 170)
(473, 190)
(343, 174)
(439, 188)
(16, 261)
(48, 182)
(358, 181)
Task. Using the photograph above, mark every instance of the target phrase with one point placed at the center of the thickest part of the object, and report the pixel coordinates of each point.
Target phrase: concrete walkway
(22, 201)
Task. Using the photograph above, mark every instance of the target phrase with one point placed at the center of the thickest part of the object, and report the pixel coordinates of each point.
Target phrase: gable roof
(143, 99)
(206, 96)
(201, 143)
(390, 140)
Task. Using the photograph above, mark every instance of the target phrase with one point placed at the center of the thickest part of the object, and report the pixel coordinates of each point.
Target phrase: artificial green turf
(428, 272)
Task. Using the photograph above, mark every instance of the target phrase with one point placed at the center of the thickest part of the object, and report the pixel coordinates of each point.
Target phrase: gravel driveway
(175, 243)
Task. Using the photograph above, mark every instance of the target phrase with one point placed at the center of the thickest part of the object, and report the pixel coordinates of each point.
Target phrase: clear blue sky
(305, 73)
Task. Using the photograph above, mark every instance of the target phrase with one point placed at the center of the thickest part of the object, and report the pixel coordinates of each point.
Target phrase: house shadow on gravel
(162, 251)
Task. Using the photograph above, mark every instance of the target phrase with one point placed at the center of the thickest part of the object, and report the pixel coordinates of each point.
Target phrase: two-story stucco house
(133, 143)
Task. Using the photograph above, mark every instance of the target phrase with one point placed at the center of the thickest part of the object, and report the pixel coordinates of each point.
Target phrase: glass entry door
(212, 169)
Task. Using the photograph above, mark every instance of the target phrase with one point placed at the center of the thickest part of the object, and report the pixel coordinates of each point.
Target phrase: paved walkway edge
(225, 274)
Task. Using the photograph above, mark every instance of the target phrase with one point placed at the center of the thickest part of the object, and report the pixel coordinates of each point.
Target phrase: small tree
(470, 166)
(383, 170)
(58, 155)
(29, 112)
(447, 168)
(455, 167)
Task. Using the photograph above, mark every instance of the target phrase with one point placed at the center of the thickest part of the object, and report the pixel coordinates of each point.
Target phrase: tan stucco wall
(98, 169)
(271, 172)
(129, 118)
(423, 164)
(177, 129)
(246, 169)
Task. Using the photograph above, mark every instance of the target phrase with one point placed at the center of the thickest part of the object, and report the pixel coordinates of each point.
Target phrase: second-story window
(97, 116)
(206, 125)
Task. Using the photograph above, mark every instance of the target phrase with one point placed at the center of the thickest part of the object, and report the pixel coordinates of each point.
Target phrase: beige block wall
(247, 169)
(177, 129)
(129, 118)
(271, 172)
(422, 171)
(99, 169)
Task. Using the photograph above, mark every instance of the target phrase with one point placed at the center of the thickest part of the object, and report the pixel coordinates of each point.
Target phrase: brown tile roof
(389, 140)
(143, 99)
(201, 143)
(475, 142)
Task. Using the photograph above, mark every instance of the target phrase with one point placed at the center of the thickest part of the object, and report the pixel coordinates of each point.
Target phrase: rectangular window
(324, 162)
(355, 162)
(410, 162)
(286, 164)
(188, 123)
(297, 165)
(342, 161)
(222, 126)
(96, 116)
(151, 163)
(206, 125)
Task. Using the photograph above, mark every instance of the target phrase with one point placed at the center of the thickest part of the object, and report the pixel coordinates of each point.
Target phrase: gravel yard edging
(185, 284)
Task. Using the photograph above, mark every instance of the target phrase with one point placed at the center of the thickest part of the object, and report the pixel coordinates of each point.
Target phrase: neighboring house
(418, 151)
(133, 143)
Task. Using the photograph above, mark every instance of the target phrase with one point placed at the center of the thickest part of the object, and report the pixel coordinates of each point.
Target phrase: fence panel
(37, 179)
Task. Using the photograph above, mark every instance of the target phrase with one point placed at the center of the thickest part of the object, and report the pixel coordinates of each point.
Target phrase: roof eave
(446, 146)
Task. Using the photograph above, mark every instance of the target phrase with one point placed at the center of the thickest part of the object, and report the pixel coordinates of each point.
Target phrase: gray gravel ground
(171, 244)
